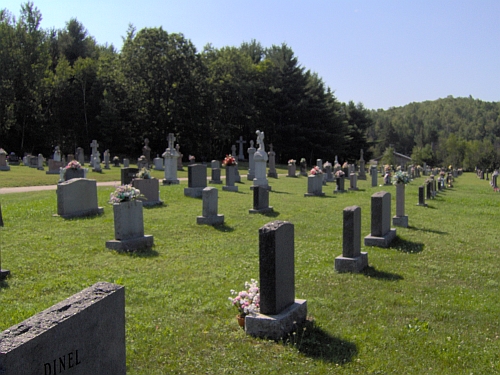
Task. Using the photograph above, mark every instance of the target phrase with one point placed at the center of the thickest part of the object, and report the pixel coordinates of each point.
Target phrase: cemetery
(409, 309)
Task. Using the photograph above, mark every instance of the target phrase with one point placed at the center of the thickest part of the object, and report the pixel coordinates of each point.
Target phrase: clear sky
(379, 52)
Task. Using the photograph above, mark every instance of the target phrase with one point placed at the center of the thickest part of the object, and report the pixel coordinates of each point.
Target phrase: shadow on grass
(427, 230)
(279, 192)
(4, 284)
(314, 342)
(154, 207)
(406, 246)
(381, 275)
(223, 228)
(148, 253)
(269, 214)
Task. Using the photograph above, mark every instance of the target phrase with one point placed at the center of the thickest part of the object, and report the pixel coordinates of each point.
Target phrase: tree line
(463, 132)
(59, 87)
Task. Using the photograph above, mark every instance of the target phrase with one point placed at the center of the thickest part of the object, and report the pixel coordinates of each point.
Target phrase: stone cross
(241, 142)
(171, 140)
(361, 157)
(94, 145)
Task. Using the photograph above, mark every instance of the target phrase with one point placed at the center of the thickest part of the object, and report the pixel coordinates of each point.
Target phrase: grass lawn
(428, 304)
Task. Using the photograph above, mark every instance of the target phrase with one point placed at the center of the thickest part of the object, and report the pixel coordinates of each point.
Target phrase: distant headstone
(179, 158)
(150, 189)
(314, 186)
(158, 163)
(374, 174)
(210, 216)
(260, 201)
(171, 156)
(339, 185)
(126, 163)
(381, 232)
(77, 198)
(96, 157)
(127, 175)
(146, 151)
(197, 180)
(57, 154)
(241, 142)
(280, 312)
(272, 162)
(84, 334)
(362, 172)
(215, 166)
(251, 162)
(142, 162)
(400, 220)
(54, 166)
(260, 160)
(352, 259)
(292, 169)
(421, 196)
(80, 156)
(39, 162)
(106, 159)
(353, 179)
(230, 179)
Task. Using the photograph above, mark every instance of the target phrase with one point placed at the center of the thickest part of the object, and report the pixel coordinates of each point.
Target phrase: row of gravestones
(86, 332)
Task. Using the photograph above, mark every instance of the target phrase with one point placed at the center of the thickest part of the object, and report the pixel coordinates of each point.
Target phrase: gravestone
(260, 201)
(314, 186)
(241, 142)
(116, 162)
(421, 196)
(77, 198)
(260, 160)
(146, 151)
(272, 162)
(251, 163)
(3, 161)
(39, 162)
(303, 168)
(329, 172)
(106, 159)
(96, 157)
(215, 166)
(129, 228)
(150, 189)
(71, 173)
(400, 220)
(197, 180)
(381, 232)
(57, 154)
(210, 216)
(353, 180)
(54, 166)
(179, 158)
(352, 259)
(428, 190)
(71, 157)
(171, 157)
(1, 217)
(230, 179)
(374, 174)
(142, 162)
(127, 175)
(126, 163)
(280, 312)
(339, 187)
(362, 173)
(292, 169)
(84, 334)
(14, 159)
(158, 163)
(80, 155)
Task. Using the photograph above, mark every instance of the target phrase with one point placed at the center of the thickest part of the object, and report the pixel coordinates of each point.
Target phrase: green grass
(427, 304)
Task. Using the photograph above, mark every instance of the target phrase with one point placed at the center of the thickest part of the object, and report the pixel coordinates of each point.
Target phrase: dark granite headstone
(84, 334)
(276, 266)
(260, 200)
(128, 174)
(381, 232)
(352, 259)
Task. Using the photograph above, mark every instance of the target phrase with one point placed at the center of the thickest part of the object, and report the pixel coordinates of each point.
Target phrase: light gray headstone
(77, 197)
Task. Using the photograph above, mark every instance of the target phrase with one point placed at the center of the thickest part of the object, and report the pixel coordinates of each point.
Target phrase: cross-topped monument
(241, 142)
(171, 140)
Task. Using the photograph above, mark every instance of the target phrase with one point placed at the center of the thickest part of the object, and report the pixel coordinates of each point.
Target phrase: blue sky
(378, 52)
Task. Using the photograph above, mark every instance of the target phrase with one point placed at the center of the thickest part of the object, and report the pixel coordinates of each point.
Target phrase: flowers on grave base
(400, 178)
(124, 193)
(315, 171)
(327, 164)
(340, 173)
(291, 162)
(247, 301)
(144, 173)
(192, 158)
(228, 161)
(73, 164)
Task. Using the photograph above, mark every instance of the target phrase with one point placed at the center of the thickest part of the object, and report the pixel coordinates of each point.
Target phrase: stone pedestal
(170, 157)
(129, 228)
(260, 201)
(353, 180)
(210, 214)
(374, 176)
(339, 188)
(292, 170)
(314, 186)
(362, 173)
(260, 160)
(352, 259)
(77, 198)
(197, 180)
(421, 196)
(230, 179)
(150, 188)
(381, 232)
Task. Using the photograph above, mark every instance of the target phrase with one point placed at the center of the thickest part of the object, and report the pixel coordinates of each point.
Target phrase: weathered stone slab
(84, 334)
(77, 198)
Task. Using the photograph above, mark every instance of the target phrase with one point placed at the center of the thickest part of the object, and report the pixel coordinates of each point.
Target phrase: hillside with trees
(463, 132)
(59, 87)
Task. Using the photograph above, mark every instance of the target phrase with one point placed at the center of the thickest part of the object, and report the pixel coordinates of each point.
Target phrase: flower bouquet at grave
(400, 178)
(228, 161)
(247, 301)
(291, 162)
(315, 171)
(124, 193)
(327, 164)
(116, 158)
(339, 174)
(73, 164)
(144, 173)
(192, 158)
(302, 161)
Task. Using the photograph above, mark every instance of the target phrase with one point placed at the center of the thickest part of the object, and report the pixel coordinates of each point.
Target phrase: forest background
(59, 87)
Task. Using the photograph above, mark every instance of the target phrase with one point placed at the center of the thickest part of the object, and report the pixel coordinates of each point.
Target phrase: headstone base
(422, 204)
(133, 244)
(193, 192)
(384, 241)
(215, 181)
(50, 172)
(268, 187)
(275, 327)
(7, 168)
(4, 274)
(362, 177)
(210, 220)
(86, 213)
(339, 191)
(353, 189)
(230, 188)
(343, 264)
(295, 176)
(250, 177)
(400, 221)
(314, 195)
(272, 174)
(170, 182)
(261, 210)
(150, 203)
(94, 170)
